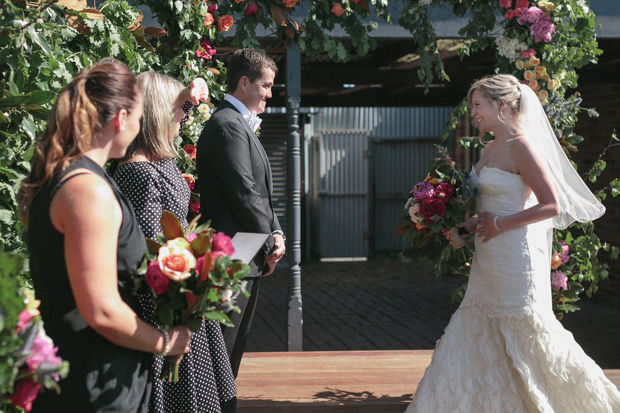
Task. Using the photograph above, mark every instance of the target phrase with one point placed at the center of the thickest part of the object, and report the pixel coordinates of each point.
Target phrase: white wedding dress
(504, 350)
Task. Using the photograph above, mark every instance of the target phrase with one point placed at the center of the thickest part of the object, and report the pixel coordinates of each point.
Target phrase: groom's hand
(272, 259)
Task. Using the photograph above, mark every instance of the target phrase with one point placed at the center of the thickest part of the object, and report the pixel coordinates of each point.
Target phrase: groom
(235, 179)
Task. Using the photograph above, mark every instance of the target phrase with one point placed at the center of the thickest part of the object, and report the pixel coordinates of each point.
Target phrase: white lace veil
(577, 203)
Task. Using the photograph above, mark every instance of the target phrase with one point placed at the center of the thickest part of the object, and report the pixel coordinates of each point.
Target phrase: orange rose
(533, 84)
(534, 61)
(208, 19)
(556, 261)
(337, 9)
(225, 22)
(190, 150)
(529, 75)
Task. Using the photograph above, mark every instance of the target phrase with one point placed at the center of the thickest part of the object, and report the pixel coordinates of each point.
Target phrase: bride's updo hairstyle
(500, 89)
(83, 108)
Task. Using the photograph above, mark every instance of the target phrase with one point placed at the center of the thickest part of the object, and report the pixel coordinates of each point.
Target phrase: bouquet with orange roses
(438, 204)
(191, 275)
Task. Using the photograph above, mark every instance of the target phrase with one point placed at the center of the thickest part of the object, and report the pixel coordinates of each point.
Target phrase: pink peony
(528, 53)
(558, 280)
(531, 15)
(542, 29)
(24, 393)
(444, 191)
(42, 351)
(156, 279)
(505, 3)
(422, 191)
(431, 207)
(221, 244)
(251, 9)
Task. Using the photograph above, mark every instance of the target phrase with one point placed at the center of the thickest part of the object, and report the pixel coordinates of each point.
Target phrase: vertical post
(293, 92)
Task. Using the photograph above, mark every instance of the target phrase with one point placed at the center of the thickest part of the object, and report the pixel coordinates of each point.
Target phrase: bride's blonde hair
(499, 89)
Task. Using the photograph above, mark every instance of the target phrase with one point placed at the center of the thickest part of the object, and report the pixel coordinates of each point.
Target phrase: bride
(504, 350)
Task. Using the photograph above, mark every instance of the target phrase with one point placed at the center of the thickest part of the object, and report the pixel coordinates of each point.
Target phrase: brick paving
(385, 304)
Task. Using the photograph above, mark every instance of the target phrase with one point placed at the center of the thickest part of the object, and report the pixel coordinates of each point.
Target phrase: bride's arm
(536, 177)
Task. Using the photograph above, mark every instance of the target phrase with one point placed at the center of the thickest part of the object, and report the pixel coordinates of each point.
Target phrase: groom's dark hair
(247, 62)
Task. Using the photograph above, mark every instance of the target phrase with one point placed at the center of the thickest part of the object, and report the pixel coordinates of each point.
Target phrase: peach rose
(337, 9)
(556, 261)
(225, 22)
(208, 20)
(176, 260)
(529, 75)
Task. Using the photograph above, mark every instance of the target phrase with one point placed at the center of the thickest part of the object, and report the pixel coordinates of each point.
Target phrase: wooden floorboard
(334, 381)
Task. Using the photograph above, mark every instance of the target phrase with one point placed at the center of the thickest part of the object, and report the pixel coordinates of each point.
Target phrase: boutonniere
(257, 132)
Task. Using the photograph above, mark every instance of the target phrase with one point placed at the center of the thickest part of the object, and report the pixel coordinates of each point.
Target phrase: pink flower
(42, 351)
(558, 280)
(194, 205)
(505, 3)
(212, 8)
(444, 191)
(190, 238)
(221, 244)
(24, 394)
(518, 12)
(205, 50)
(510, 14)
(422, 191)
(542, 29)
(522, 4)
(528, 53)
(531, 15)
(156, 279)
(337, 9)
(565, 250)
(251, 9)
(23, 319)
(431, 207)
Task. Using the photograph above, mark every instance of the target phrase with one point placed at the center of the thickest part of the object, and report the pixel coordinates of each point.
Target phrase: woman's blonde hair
(157, 131)
(83, 108)
(499, 89)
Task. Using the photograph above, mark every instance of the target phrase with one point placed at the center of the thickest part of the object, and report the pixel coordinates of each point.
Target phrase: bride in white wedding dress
(504, 350)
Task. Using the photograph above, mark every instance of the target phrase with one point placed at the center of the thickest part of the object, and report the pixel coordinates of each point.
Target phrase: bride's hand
(469, 225)
(485, 228)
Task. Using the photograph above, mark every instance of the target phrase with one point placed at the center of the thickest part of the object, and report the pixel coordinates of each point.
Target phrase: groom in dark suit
(235, 179)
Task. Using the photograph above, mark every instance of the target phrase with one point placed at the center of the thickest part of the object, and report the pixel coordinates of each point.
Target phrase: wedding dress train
(504, 350)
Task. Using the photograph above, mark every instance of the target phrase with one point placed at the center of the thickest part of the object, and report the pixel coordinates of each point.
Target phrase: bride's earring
(501, 112)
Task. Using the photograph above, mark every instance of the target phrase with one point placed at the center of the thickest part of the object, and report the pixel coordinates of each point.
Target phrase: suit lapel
(255, 141)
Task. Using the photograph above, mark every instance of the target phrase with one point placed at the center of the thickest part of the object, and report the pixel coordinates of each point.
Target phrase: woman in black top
(150, 179)
(84, 244)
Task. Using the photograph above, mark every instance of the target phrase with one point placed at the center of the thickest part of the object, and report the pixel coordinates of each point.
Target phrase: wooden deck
(334, 381)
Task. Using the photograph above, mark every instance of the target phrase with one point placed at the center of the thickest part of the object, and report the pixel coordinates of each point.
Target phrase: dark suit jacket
(235, 179)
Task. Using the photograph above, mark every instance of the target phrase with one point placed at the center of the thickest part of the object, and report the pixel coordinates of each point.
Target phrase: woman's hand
(470, 225)
(179, 340)
(198, 91)
(485, 227)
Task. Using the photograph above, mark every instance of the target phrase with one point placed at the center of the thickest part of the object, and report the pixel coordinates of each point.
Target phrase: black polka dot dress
(205, 376)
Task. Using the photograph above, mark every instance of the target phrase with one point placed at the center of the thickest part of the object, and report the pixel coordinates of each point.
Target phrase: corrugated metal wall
(343, 218)
(399, 165)
(349, 211)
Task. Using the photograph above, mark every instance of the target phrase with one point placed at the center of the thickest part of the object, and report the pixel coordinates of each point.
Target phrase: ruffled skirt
(522, 363)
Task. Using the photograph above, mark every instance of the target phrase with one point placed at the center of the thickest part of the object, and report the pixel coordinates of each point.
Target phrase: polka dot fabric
(205, 376)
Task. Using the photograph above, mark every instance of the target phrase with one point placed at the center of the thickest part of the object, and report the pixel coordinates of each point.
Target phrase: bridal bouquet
(191, 275)
(438, 204)
(28, 360)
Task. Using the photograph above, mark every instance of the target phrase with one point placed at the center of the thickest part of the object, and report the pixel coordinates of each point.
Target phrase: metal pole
(293, 92)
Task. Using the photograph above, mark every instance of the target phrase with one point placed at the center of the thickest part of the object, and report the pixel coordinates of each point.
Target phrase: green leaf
(39, 40)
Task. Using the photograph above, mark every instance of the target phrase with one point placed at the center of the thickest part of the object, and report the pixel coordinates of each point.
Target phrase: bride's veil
(577, 203)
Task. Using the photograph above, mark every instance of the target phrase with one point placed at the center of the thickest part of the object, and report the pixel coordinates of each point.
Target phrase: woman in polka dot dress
(150, 179)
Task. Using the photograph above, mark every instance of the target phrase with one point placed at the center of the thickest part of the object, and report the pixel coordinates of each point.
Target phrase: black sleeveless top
(102, 376)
